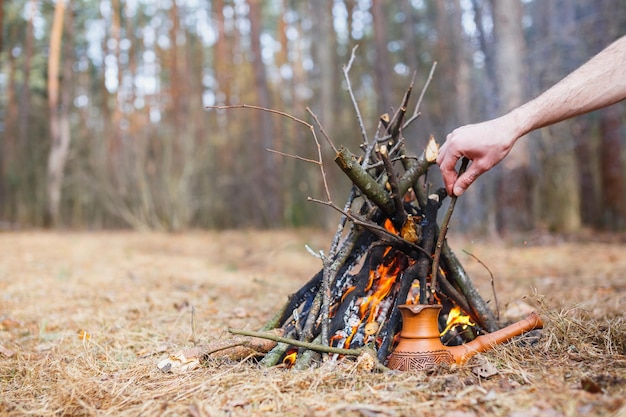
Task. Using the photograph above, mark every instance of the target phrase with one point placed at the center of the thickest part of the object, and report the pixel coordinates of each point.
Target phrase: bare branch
(306, 345)
(493, 287)
(346, 70)
(416, 112)
(319, 125)
(265, 109)
(299, 158)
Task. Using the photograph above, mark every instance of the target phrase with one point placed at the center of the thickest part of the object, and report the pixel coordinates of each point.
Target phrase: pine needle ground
(85, 318)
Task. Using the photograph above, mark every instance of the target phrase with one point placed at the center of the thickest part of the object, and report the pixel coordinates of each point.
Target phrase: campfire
(389, 250)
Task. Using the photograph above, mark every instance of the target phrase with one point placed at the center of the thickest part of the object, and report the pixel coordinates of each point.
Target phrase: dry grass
(85, 317)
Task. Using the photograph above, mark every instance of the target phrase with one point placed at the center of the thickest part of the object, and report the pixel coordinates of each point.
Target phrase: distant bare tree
(27, 66)
(383, 67)
(560, 208)
(612, 21)
(59, 120)
(1, 25)
(514, 193)
(267, 189)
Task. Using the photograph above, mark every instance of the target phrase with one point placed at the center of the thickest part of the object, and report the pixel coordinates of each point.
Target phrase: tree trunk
(221, 56)
(382, 65)
(8, 195)
(514, 192)
(1, 25)
(612, 169)
(25, 95)
(490, 92)
(483, 197)
(323, 50)
(611, 129)
(59, 122)
(472, 209)
(586, 173)
(326, 71)
(408, 36)
(559, 205)
(116, 121)
(268, 186)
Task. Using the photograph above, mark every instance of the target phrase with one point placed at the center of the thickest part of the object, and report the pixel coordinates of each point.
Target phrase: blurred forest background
(103, 119)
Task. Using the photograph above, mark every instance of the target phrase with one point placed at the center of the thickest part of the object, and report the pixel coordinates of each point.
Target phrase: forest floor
(86, 317)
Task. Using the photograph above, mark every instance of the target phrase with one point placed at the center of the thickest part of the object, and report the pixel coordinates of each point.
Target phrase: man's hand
(485, 144)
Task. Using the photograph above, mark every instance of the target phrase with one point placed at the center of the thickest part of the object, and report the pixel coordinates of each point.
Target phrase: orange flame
(389, 226)
(457, 318)
(380, 284)
(347, 291)
(381, 281)
(290, 359)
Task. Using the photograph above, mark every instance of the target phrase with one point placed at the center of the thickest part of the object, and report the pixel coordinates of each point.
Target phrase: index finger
(447, 164)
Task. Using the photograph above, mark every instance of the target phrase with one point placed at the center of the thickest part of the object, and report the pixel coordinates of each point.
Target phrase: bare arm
(598, 83)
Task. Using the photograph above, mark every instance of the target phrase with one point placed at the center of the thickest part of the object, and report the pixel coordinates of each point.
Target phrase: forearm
(598, 83)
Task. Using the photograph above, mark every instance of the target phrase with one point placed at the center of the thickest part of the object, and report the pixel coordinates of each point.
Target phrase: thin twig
(319, 125)
(346, 70)
(321, 164)
(265, 109)
(493, 286)
(298, 157)
(416, 112)
(442, 237)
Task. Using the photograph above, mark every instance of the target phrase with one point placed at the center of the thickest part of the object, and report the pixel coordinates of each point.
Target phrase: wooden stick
(442, 237)
(289, 341)
(272, 357)
(315, 346)
(417, 169)
(429, 233)
(369, 187)
(307, 331)
(400, 215)
(330, 272)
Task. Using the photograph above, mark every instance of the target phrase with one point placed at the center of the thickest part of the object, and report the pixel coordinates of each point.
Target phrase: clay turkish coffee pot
(420, 344)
